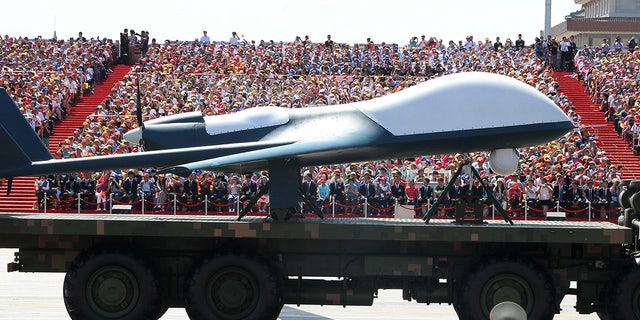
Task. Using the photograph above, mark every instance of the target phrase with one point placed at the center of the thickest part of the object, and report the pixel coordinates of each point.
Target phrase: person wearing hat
(351, 195)
(383, 194)
(190, 192)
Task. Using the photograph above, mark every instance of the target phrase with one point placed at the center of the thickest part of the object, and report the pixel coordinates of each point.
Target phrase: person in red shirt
(412, 192)
(514, 196)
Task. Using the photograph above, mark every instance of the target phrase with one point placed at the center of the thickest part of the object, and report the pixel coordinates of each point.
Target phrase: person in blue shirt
(323, 195)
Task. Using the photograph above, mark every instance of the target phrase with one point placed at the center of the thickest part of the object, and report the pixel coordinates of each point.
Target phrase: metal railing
(356, 207)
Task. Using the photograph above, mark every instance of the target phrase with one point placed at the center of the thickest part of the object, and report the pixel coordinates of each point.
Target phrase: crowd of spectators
(223, 77)
(47, 77)
(612, 77)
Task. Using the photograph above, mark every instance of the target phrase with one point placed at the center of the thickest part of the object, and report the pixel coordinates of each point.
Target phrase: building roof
(599, 25)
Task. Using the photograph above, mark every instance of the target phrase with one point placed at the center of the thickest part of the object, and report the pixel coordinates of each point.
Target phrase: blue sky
(346, 20)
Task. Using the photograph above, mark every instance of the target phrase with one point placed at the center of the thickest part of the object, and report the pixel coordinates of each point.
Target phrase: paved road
(38, 296)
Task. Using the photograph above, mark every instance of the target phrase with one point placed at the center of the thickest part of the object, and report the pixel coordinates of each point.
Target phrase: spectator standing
(235, 39)
(398, 190)
(329, 43)
(531, 193)
(605, 47)
(124, 46)
(310, 189)
(519, 42)
(497, 46)
(632, 44)
(205, 38)
(617, 45)
(351, 195)
(42, 189)
(81, 37)
(101, 190)
(560, 191)
(565, 54)
(412, 193)
(603, 198)
(336, 189)
(367, 190)
(323, 195)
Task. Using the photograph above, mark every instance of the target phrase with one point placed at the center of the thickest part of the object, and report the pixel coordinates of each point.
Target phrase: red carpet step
(22, 195)
(617, 150)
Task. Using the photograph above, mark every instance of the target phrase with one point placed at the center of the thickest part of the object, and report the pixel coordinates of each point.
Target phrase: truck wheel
(624, 296)
(233, 287)
(111, 285)
(504, 280)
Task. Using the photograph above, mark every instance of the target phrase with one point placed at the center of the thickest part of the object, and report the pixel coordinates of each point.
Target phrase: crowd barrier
(332, 208)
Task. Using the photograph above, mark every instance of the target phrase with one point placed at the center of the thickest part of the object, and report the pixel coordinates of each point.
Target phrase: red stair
(617, 150)
(22, 195)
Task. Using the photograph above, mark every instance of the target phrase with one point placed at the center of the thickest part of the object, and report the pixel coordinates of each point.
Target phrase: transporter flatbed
(308, 228)
(131, 266)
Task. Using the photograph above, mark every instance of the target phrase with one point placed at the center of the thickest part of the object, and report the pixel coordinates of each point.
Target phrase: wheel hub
(112, 291)
(233, 293)
(506, 287)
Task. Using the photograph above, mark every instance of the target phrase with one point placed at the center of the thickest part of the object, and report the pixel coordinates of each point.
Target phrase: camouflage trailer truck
(136, 266)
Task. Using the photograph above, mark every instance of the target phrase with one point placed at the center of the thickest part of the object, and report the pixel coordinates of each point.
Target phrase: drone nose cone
(133, 136)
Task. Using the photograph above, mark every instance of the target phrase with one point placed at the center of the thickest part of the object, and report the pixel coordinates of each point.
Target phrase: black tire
(233, 287)
(161, 311)
(110, 284)
(504, 280)
(623, 301)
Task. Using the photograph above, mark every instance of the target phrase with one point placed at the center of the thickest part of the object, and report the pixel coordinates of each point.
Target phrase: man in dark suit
(249, 188)
(336, 190)
(589, 192)
(87, 192)
(310, 189)
(456, 190)
(397, 191)
(560, 191)
(130, 187)
(603, 199)
(426, 194)
(367, 191)
(575, 197)
(190, 192)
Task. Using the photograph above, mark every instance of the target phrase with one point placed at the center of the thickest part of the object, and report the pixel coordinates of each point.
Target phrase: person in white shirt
(234, 40)
(565, 54)
(545, 192)
(531, 191)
